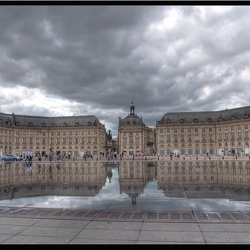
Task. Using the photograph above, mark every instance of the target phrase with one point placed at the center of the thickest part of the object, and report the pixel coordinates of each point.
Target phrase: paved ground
(35, 225)
(78, 226)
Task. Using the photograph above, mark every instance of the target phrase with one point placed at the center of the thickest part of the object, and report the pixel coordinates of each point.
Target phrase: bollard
(183, 158)
(145, 158)
(97, 158)
(196, 157)
(209, 157)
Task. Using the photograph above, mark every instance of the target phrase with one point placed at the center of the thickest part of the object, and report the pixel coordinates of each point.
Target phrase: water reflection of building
(133, 177)
(178, 178)
(205, 179)
(63, 179)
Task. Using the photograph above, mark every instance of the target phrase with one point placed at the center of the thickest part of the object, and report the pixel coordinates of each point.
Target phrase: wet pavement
(79, 226)
(210, 214)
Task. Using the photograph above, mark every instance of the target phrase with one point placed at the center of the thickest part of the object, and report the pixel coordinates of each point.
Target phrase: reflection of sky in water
(110, 197)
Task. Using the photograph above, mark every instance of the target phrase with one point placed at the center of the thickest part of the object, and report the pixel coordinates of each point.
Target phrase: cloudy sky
(94, 60)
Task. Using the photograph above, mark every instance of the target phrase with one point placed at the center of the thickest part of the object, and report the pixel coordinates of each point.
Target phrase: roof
(206, 116)
(43, 121)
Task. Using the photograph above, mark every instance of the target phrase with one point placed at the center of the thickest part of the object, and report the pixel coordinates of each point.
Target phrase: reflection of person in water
(28, 167)
(39, 168)
(51, 172)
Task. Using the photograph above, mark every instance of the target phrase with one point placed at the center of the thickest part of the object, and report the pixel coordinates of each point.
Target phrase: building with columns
(134, 137)
(224, 132)
(71, 135)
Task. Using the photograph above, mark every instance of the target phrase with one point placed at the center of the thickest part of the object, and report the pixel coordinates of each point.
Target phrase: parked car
(10, 157)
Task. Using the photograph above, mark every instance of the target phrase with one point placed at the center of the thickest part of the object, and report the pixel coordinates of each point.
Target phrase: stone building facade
(71, 135)
(134, 137)
(224, 132)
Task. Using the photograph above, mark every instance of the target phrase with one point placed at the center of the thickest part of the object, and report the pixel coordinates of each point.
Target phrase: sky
(76, 60)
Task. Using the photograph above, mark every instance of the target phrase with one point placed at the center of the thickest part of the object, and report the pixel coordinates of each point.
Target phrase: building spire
(132, 108)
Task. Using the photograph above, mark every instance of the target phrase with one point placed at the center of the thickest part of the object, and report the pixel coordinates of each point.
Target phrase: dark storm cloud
(99, 58)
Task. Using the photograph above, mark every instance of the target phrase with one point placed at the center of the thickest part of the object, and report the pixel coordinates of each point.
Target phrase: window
(131, 138)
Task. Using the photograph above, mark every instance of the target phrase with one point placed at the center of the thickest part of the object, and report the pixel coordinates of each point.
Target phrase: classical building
(134, 137)
(224, 132)
(71, 135)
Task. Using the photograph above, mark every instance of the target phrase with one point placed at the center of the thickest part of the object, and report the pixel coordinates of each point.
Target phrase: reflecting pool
(125, 185)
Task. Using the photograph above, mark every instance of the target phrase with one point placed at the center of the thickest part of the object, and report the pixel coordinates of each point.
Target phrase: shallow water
(127, 185)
